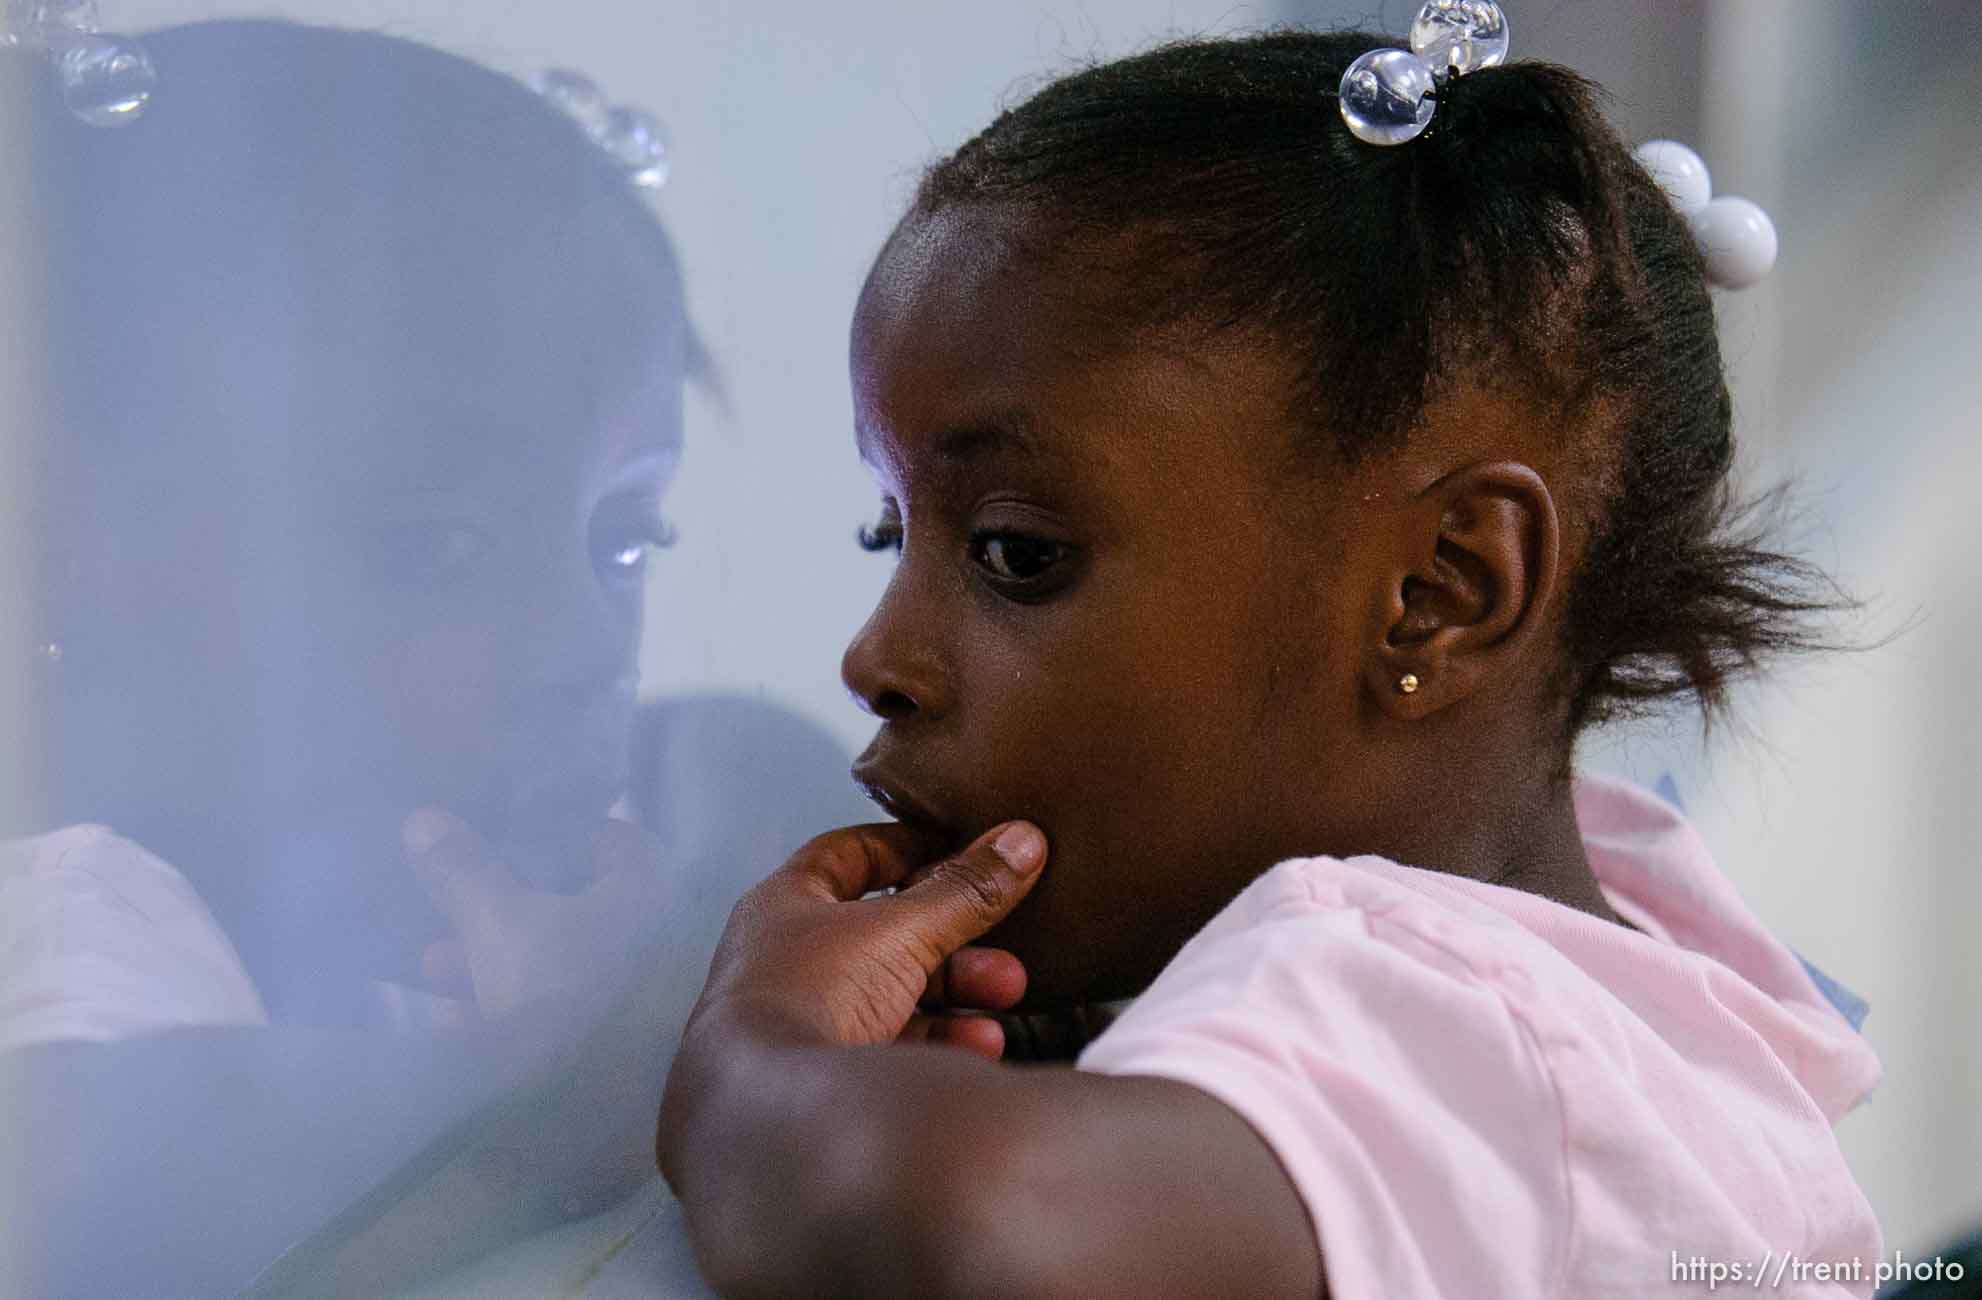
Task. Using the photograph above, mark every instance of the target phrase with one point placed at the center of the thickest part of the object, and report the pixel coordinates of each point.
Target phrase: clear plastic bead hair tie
(1734, 235)
(107, 80)
(1388, 96)
(633, 138)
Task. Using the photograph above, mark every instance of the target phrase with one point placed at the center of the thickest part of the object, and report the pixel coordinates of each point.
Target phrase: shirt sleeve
(1404, 1097)
(99, 940)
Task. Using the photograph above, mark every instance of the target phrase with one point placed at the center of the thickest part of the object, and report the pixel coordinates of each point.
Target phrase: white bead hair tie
(1387, 96)
(633, 138)
(106, 80)
(1734, 235)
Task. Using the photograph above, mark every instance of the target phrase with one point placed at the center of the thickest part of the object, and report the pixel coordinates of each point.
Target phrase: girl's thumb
(961, 897)
(454, 867)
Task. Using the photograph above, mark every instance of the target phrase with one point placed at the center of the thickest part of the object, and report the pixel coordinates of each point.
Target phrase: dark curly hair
(1516, 239)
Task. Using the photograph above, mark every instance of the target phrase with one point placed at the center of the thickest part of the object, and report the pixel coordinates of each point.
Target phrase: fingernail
(423, 829)
(1022, 846)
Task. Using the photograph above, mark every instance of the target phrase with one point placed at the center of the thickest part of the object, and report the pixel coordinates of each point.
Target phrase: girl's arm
(809, 1166)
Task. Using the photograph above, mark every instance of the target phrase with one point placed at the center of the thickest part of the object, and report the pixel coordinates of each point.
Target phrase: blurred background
(1847, 804)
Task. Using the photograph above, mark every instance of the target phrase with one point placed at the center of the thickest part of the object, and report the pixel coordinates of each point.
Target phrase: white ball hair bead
(1737, 239)
(1678, 171)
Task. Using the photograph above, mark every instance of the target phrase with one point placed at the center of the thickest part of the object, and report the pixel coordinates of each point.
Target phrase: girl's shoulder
(1414, 1047)
(101, 939)
(88, 859)
(1693, 962)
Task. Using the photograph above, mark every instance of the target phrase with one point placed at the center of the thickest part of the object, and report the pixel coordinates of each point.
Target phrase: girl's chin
(542, 827)
(555, 850)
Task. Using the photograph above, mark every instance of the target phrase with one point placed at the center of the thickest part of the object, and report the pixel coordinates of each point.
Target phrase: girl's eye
(883, 535)
(1015, 559)
(620, 549)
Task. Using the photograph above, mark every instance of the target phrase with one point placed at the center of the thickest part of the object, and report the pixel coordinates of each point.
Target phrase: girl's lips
(908, 808)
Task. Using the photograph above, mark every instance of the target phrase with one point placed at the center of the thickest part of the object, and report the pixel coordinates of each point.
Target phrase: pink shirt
(99, 940)
(1480, 1093)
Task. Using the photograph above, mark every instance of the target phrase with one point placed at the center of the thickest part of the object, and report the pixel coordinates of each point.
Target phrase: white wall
(17, 412)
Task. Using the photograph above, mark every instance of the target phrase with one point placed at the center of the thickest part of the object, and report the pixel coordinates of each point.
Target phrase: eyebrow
(640, 471)
(1012, 431)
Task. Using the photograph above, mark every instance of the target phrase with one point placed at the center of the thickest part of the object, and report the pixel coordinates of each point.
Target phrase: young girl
(1266, 496)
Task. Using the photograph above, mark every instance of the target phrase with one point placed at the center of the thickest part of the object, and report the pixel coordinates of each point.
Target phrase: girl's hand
(512, 944)
(805, 1169)
(807, 955)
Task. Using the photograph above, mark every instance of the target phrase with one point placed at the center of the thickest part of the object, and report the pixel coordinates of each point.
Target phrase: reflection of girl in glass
(363, 380)
(359, 374)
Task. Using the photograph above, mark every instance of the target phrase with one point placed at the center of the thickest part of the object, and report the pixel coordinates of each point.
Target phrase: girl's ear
(1463, 606)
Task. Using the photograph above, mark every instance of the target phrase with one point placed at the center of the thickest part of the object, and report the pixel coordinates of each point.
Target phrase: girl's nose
(891, 667)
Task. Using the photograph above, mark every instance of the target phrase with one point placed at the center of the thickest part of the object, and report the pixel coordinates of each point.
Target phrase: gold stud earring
(1407, 684)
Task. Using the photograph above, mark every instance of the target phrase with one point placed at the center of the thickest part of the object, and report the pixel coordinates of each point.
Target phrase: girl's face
(383, 542)
(1115, 612)
(494, 565)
